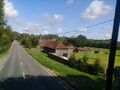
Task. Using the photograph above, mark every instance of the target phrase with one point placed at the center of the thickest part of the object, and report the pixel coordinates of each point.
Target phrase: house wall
(57, 58)
(70, 52)
(61, 52)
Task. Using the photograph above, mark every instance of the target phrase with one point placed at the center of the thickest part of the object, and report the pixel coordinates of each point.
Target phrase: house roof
(70, 46)
(53, 44)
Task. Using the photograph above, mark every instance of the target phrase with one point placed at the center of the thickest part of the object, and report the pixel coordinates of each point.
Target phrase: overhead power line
(100, 23)
(88, 26)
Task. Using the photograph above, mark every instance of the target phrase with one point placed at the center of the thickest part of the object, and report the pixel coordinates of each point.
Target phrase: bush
(90, 69)
(83, 65)
(106, 52)
(4, 48)
(72, 60)
(96, 51)
(85, 59)
(116, 81)
(98, 68)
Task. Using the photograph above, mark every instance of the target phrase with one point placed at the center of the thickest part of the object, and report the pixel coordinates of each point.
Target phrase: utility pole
(113, 47)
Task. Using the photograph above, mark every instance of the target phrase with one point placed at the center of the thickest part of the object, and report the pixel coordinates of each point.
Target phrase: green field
(73, 77)
(102, 56)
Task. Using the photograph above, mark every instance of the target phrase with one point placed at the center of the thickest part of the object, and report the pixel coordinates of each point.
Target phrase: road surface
(21, 72)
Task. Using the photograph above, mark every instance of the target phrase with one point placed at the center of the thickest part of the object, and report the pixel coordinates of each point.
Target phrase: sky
(60, 16)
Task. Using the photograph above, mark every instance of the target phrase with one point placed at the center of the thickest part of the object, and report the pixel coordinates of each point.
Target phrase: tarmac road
(21, 72)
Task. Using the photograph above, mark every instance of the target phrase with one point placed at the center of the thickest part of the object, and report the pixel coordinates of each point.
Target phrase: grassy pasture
(102, 56)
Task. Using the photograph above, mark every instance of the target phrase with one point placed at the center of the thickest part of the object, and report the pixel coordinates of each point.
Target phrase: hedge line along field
(103, 57)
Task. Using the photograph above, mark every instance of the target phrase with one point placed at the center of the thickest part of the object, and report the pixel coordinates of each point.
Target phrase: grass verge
(74, 78)
(3, 55)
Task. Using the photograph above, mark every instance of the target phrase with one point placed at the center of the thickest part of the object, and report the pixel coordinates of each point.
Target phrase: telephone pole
(113, 47)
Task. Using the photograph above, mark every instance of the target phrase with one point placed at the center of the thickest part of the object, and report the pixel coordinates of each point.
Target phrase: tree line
(6, 36)
(79, 41)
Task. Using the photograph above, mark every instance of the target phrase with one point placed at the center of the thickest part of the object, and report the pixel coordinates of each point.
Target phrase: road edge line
(60, 81)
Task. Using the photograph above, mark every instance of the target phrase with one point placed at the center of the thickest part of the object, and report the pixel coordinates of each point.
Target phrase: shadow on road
(49, 83)
(31, 83)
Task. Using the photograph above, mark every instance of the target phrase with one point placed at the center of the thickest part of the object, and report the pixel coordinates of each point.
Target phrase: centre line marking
(23, 74)
(20, 57)
(21, 64)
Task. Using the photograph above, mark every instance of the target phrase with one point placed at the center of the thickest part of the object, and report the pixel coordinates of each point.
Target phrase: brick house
(56, 47)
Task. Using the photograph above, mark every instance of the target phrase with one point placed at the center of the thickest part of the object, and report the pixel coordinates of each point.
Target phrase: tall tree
(6, 36)
(1, 13)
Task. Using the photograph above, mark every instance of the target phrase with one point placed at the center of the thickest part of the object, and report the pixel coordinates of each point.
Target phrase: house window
(65, 54)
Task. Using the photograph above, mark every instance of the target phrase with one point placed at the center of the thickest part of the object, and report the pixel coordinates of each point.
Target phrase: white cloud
(36, 27)
(45, 32)
(107, 36)
(58, 18)
(96, 9)
(59, 30)
(46, 16)
(30, 27)
(9, 10)
(70, 1)
(81, 29)
(53, 19)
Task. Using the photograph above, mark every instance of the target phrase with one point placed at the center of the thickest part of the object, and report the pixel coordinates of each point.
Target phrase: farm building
(56, 47)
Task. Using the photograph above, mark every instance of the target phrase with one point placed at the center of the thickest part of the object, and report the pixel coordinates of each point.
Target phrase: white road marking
(20, 57)
(23, 74)
(1, 67)
(21, 64)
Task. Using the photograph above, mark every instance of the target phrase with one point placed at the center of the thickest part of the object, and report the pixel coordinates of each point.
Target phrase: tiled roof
(52, 44)
(70, 46)
(61, 45)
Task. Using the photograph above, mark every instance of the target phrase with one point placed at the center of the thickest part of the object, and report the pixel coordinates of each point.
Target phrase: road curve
(21, 72)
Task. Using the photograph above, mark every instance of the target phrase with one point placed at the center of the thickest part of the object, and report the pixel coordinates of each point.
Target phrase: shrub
(85, 59)
(116, 81)
(4, 48)
(90, 69)
(83, 65)
(96, 51)
(80, 64)
(98, 67)
(72, 60)
(106, 52)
